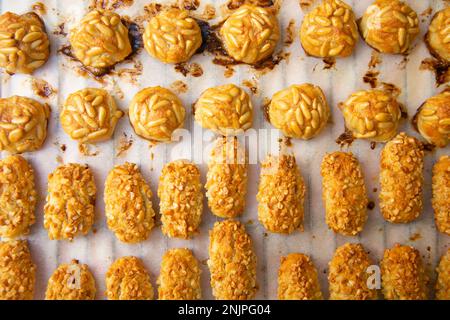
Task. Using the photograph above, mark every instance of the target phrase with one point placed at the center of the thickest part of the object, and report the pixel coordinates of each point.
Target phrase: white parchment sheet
(99, 249)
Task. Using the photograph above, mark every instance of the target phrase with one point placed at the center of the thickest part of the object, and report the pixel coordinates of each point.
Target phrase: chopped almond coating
(17, 271)
(344, 193)
(226, 180)
(297, 278)
(70, 207)
(72, 281)
(349, 274)
(23, 124)
(181, 199)
(281, 195)
(17, 197)
(441, 192)
(128, 205)
(443, 277)
(179, 278)
(127, 279)
(232, 262)
(401, 179)
(403, 274)
(438, 35)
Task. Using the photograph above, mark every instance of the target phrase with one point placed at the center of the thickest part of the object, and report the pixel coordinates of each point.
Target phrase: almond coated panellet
(17, 271)
(179, 278)
(443, 277)
(226, 180)
(232, 262)
(181, 199)
(438, 35)
(69, 210)
(17, 197)
(344, 193)
(128, 204)
(403, 274)
(348, 275)
(281, 195)
(71, 281)
(297, 278)
(401, 179)
(23, 124)
(127, 279)
(440, 194)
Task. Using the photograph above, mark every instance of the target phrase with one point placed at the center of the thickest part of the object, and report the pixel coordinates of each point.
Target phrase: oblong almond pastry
(441, 191)
(17, 197)
(226, 180)
(403, 274)
(281, 194)
(179, 278)
(401, 179)
(443, 277)
(349, 274)
(344, 193)
(232, 262)
(128, 205)
(181, 199)
(297, 278)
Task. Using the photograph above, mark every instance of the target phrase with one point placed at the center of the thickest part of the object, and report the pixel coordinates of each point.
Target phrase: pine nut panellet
(155, 113)
(179, 278)
(90, 115)
(181, 199)
(128, 204)
(329, 30)
(344, 193)
(24, 44)
(389, 26)
(17, 271)
(225, 110)
(372, 114)
(226, 180)
(71, 281)
(299, 111)
(281, 195)
(127, 279)
(18, 197)
(69, 210)
(23, 124)
(433, 119)
(297, 278)
(401, 179)
(250, 34)
(172, 36)
(440, 194)
(348, 274)
(232, 262)
(403, 274)
(443, 277)
(100, 40)
(438, 35)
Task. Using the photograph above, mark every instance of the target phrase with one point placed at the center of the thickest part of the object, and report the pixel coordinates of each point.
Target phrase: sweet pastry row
(352, 275)
(249, 34)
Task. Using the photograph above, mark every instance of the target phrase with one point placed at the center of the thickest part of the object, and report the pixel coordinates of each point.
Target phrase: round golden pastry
(24, 44)
(90, 115)
(250, 34)
(23, 124)
(225, 109)
(372, 114)
(299, 111)
(100, 40)
(329, 30)
(172, 36)
(155, 113)
(438, 35)
(389, 26)
(72, 281)
(433, 119)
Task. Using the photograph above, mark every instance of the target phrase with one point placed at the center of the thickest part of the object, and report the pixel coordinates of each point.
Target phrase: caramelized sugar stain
(192, 69)
(371, 77)
(60, 30)
(42, 88)
(345, 139)
(265, 108)
(125, 143)
(439, 68)
(329, 63)
(375, 59)
(290, 33)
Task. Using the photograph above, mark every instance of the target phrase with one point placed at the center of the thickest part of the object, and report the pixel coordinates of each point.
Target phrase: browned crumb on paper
(252, 85)
(329, 63)
(306, 4)
(131, 74)
(179, 86)
(269, 64)
(110, 4)
(61, 146)
(39, 8)
(439, 68)
(391, 88)
(290, 33)
(265, 108)
(42, 88)
(192, 69)
(188, 4)
(125, 143)
(59, 160)
(415, 236)
(425, 14)
(85, 150)
(60, 30)
(229, 71)
(371, 77)
(375, 59)
(345, 139)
